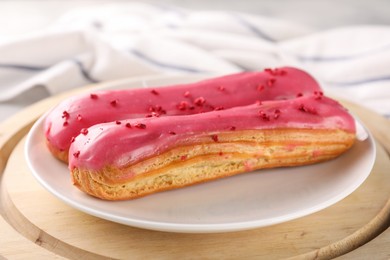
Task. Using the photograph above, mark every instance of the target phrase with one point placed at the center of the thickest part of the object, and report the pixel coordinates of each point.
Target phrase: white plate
(246, 201)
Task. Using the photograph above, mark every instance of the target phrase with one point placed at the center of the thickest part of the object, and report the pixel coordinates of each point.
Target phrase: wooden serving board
(36, 225)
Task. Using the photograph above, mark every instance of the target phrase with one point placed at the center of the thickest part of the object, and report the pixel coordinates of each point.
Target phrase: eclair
(74, 115)
(127, 159)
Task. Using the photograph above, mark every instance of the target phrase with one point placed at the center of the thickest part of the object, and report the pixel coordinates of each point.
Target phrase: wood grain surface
(36, 225)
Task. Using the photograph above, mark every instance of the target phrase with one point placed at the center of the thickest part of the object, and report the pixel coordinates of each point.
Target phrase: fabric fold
(136, 39)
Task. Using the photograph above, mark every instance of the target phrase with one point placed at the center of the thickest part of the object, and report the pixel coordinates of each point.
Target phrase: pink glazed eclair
(131, 158)
(74, 115)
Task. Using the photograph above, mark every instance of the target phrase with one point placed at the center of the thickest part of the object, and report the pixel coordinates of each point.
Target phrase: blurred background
(17, 17)
(51, 46)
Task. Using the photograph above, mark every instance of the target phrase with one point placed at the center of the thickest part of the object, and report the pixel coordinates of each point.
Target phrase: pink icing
(118, 145)
(66, 120)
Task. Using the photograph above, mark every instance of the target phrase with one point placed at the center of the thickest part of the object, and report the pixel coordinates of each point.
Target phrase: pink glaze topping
(117, 145)
(66, 120)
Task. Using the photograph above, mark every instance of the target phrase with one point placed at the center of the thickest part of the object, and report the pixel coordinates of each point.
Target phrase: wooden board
(35, 224)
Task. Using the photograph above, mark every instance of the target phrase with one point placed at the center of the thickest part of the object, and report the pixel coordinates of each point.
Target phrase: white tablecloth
(134, 39)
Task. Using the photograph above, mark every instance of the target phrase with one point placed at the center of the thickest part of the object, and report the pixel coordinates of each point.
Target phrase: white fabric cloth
(135, 39)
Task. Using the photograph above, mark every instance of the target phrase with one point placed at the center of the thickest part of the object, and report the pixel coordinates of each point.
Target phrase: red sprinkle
(114, 103)
(264, 116)
(172, 133)
(72, 139)
(93, 96)
(271, 82)
(275, 72)
(214, 137)
(153, 114)
(79, 117)
(276, 113)
(76, 154)
(232, 128)
(128, 125)
(219, 108)
(157, 109)
(183, 157)
(154, 92)
(118, 122)
(318, 95)
(299, 94)
(199, 101)
(183, 105)
(84, 131)
(306, 109)
(65, 123)
(260, 87)
(65, 114)
(140, 126)
(221, 88)
(187, 94)
(220, 153)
